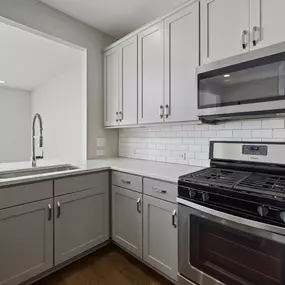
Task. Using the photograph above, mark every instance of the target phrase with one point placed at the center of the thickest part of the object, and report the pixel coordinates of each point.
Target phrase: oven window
(255, 84)
(235, 257)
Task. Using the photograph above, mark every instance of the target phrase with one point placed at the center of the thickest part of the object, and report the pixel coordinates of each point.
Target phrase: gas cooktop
(244, 179)
(235, 179)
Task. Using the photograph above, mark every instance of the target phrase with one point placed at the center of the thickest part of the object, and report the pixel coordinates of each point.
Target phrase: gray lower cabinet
(26, 241)
(127, 219)
(160, 235)
(81, 221)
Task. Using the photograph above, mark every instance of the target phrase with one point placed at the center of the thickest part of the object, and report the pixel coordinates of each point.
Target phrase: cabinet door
(128, 103)
(181, 59)
(127, 219)
(81, 222)
(150, 72)
(160, 235)
(26, 242)
(222, 25)
(112, 85)
(267, 22)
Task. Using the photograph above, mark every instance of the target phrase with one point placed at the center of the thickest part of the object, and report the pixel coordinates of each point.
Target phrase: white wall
(189, 143)
(61, 103)
(15, 125)
(40, 17)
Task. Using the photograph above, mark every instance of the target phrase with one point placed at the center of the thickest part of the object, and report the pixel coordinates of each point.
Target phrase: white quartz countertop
(157, 170)
(164, 171)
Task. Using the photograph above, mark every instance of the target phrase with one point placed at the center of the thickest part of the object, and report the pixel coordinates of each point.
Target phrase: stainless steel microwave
(248, 85)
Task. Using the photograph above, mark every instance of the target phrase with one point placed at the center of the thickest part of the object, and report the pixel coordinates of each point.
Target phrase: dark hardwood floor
(108, 266)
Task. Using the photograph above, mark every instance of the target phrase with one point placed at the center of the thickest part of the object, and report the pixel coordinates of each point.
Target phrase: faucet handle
(41, 141)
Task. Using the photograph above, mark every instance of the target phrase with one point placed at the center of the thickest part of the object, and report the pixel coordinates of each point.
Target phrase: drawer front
(80, 183)
(160, 189)
(22, 194)
(127, 181)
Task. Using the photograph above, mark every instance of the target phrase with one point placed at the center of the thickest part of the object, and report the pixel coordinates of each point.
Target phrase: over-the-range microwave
(244, 86)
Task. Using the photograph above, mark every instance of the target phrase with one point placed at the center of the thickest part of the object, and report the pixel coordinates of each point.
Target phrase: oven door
(216, 248)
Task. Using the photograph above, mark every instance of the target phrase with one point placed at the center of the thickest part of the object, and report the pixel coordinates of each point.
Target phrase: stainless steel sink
(36, 171)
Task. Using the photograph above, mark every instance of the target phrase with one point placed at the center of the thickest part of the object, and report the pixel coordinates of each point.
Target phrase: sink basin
(36, 171)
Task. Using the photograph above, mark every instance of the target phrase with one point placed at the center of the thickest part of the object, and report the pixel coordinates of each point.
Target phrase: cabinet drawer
(160, 189)
(80, 183)
(128, 181)
(22, 194)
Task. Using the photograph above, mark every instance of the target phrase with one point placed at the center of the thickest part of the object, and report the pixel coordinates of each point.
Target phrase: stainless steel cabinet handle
(243, 40)
(49, 212)
(120, 116)
(173, 219)
(163, 191)
(117, 114)
(254, 40)
(126, 181)
(166, 111)
(58, 209)
(161, 114)
(139, 205)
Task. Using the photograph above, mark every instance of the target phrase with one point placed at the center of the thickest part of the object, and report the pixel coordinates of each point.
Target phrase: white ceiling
(28, 60)
(114, 17)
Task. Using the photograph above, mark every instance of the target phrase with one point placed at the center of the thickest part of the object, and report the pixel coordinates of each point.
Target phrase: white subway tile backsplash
(279, 133)
(225, 134)
(241, 133)
(209, 134)
(261, 133)
(253, 124)
(233, 125)
(189, 143)
(201, 127)
(202, 155)
(188, 127)
(176, 141)
(195, 147)
(195, 134)
(273, 124)
(203, 141)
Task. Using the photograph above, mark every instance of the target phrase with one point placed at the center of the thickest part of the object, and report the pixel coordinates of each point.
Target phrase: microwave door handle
(262, 230)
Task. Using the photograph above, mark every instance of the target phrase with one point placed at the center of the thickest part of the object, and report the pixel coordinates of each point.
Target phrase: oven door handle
(266, 231)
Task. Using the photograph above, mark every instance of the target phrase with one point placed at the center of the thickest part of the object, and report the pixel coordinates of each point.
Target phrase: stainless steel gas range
(231, 217)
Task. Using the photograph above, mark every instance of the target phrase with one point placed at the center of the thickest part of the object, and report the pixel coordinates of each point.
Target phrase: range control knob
(263, 211)
(205, 197)
(192, 193)
(282, 216)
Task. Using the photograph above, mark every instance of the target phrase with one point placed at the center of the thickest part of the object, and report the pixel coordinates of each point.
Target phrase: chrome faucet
(41, 140)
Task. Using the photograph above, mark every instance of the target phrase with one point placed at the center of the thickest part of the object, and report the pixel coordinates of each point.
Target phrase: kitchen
(200, 86)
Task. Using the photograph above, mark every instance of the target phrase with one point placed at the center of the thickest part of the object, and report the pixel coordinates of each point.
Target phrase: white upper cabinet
(266, 22)
(150, 74)
(182, 51)
(121, 93)
(224, 28)
(112, 86)
(128, 110)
